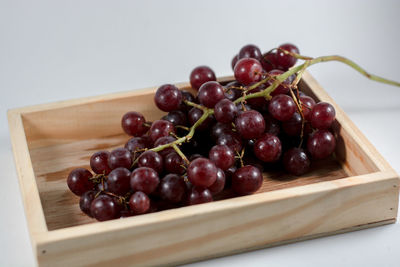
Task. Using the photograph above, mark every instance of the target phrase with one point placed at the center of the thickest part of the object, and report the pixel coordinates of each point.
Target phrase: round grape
(321, 144)
(104, 208)
(248, 71)
(201, 75)
(210, 93)
(144, 179)
(161, 128)
(168, 97)
(99, 162)
(152, 160)
(282, 107)
(225, 111)
(174, 163)
(250, 124)
(246, 180)
(118, 181)
(86, 201)
(139, 203)
(219, 183)
(296, 161)
(133, 123)
(284, 61)
(202, 172)
(120, 157)
(172, 188)
(250, 51)
(222, 156)
(268, 148)
(199, 195)
(78, 181)
(322, 115)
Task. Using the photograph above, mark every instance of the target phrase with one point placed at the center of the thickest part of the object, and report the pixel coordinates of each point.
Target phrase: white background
(57, 50)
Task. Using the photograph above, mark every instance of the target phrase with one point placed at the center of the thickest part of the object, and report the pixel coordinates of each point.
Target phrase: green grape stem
(299, 70)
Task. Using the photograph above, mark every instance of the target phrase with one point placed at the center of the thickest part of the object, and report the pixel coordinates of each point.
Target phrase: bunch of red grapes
(227, 151)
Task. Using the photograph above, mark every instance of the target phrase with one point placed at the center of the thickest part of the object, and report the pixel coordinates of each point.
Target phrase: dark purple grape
(118, 181)
(284, 61)
(307, 104)
(136, 143)
(199, 195)
(210, 93)
(271, 125)
(248, 71)
(269, 60)
(292, 127)
(283, 88)
(99, 162)
(232, 93)
(228, 176)
(152, 160)
(202, 172)
(268, 148)
(282, 107)
(234, 61)
(220, 128)
(176, 117)
(186, 96)
(195, 156)
(225, 111)
(250, 124)
(173, 163)
(322, 115)
(231, 139)
(139, 203)
(168, 97)
(246, 180)
(222, 156)
(160, 128)
(133, 123)
(120, 157)
(250, 51)
(201, 75)
(144, 179)
(296, 161)
(321, 144)
(195, 114)
(219, 183)
(163, 141)
(86, 201)
(78, 181)
(104, 208)
(172, 188)
(257, 102)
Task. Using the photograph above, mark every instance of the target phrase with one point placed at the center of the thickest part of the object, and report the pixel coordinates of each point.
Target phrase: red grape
(139, 203)
(172, 188)
(248, 71)
(307, 104)
(219, 183)
(250, 124)
(201, 75)
(296, 161)
(210, 93)
(321, 144)
(199, 195)
(322, 115)
(173, 163)
(250, 51)
(225, 111)
(136, 143)
(161, 128)
(202, 172)
(104, 208)
(78, 181)
(152, 160)
(120, 157)
(292, 127)
(246, 180)
(168, 97)
(99, 162)
(222, 156)
(282, 107)
(86, 201)
(283, 88)
(268, 148)
(118, 181)
(163, 141)
(284, 61)
(144, 179)
(268, 60)
(133, 123)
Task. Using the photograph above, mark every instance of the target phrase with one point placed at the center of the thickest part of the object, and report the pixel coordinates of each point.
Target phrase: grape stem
(267, 91)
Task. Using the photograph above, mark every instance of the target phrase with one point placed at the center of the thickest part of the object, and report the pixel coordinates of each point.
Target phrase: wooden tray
(355, 190)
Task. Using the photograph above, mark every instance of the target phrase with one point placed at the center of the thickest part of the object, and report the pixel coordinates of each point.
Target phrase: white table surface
(57, 50)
